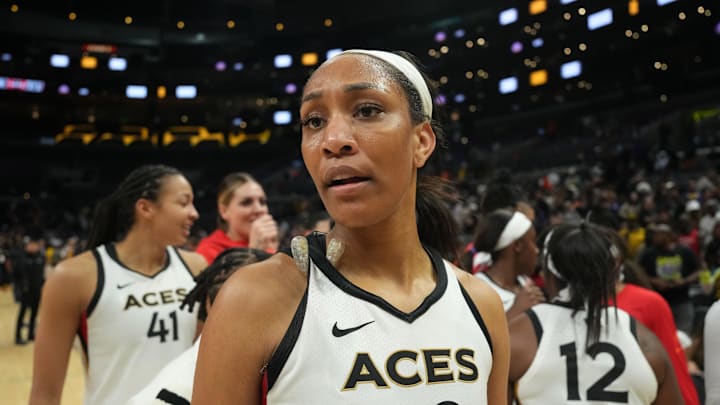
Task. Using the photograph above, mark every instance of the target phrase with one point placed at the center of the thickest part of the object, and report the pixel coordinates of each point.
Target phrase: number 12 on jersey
(597, 391)
(157, 327)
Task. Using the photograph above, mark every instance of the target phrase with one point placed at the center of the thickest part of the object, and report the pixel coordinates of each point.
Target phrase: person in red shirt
(243, 218)
(652, 310)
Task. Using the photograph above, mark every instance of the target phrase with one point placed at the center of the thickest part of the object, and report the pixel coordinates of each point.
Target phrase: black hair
(115, 214)
(489, 229)
(436, 225)
(208, 283)
(581, 253)
(501, 194)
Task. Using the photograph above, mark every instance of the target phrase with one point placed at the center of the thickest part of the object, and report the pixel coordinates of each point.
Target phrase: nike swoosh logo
(121, 286)
(337, 332)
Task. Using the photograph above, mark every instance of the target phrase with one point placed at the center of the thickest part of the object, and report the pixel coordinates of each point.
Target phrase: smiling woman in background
(243, 218)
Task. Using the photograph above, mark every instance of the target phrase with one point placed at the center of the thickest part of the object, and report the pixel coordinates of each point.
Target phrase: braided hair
(208, 282)
(115, 214)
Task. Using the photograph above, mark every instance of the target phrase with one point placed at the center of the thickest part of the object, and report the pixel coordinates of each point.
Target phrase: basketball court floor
(16, 362)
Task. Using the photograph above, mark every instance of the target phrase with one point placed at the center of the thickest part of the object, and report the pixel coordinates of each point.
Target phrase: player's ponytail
(580, 258)
(436, 226)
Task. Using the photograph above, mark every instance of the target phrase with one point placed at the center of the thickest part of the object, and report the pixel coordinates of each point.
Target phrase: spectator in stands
(243, 218)
(707, 222)
(632, 233)
(672, 268)
(651, 309)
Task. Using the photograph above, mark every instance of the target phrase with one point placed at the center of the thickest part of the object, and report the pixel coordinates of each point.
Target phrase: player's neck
(140, 254)
(396, 255)
(503, 273)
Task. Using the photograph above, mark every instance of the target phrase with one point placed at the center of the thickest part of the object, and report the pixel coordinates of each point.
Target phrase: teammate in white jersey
(510, 236)
(174, 383)
(367, 119)
(576, 349)
(122, 298)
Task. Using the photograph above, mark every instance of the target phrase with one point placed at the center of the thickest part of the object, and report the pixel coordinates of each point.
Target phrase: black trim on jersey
(177, 252)
(633, 327)
(83, 342)
(112, 252)
(171, 398)
(287, 344)
(99, 286)
(473, 308)
(318, 257)
(536, 324)
(484, 273)
(564, 305)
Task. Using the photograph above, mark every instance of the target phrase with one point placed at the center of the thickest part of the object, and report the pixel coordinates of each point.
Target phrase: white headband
(407, 69)
(514, 230)
(549, 261)
(614, 251)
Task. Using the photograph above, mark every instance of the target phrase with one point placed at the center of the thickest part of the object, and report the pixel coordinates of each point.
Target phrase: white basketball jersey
(348, 346)
(506, 296)
(611, 371)
(133, 326)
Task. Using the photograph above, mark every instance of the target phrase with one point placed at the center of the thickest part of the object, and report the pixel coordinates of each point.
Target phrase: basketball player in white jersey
(510, 236)
(388, 321)
(577, 350)
(174, 383)
(122, 298)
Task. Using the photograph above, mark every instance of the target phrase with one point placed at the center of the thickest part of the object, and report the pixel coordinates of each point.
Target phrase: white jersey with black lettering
(133, 325)
(613, 370)
(348, 346)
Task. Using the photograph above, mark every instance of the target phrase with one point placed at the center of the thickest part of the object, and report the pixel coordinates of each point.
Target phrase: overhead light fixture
(117, 64)
(136, 91)
(508, 85)
(186, 91)
(283, 61)
(508, 16)
(88, 62)
(59, 60)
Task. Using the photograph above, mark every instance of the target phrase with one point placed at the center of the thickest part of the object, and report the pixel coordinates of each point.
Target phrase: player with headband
(376, 314)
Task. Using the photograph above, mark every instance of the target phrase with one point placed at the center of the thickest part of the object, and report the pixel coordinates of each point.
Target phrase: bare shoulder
(73, 279)
(266, 294)
(195, 261)
(482, 294)
(76, 268)
(277, 274)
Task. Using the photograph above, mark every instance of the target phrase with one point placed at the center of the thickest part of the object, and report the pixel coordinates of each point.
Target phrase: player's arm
(491, 310)
(523, 346)
(668, 389)
(65, 296)
(248, 319)
(195, 261)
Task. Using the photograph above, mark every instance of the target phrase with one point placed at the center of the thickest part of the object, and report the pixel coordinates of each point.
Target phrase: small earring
(299, 248)
(335, 249)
